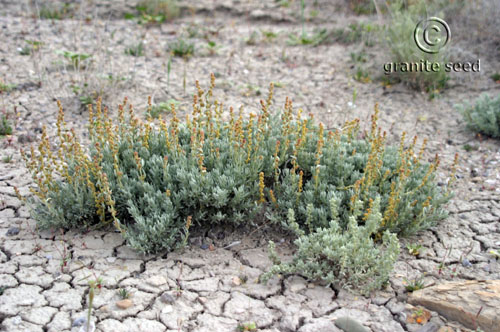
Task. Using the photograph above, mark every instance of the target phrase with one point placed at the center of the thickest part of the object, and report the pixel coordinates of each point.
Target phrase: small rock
(16, 320)
(429, 327)
(13, 231)
(79, 321)
(349, 325)
(461, 301)
(204, 246)
(111, 259)
(466, 263)
(236, 281)
(83, 328)
(156, 281)
(196, 241)
(395, 307)
(211, 247)
(296, 284)
(235, 243)
(167, 298)
(167, 309)
(124, 304)
(445, 329)
(474, 172)
(380, 300)
(26, 138)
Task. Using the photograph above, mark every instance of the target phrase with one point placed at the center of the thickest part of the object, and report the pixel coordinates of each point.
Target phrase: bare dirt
(215, 289)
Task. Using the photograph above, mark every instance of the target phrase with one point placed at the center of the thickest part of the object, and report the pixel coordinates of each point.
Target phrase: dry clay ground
(214, 288)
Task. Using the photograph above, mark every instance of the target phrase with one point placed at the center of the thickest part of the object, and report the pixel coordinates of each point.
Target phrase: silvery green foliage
(484, 116)
(348, 258)
(153, 180)
(226, 191)
(339, 169)
(398, 35)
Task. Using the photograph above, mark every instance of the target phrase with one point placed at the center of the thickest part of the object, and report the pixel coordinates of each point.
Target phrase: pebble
(204, 246)
(16, 320)
(466, 263)
(13, 231)
(83, 328)
(428, 327)
(196, 241)
(348, 324)
(79, 321)
(445, 329)
(235, 243)
(379, 300)
(395, 307)
(236, 281)
(26, 138)
(124, 304)
(474, 172)
(167, 298)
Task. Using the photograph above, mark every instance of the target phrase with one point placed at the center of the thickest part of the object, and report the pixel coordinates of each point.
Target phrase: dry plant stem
(379, 14)
(65, 256)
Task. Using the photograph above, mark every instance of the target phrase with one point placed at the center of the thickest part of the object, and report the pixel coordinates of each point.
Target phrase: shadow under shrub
(345, 195)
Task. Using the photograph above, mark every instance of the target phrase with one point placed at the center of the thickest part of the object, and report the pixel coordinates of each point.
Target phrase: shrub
(158, 10)
(344, 196)
(135, 50)
(163, 107)
(346, 256)
(362, 7)
(484, 116)
(339, 165)
(75, 59)
(354, 33)
(5, 126)
(181, 48)
(54, 11)
(151, 183)
(6, 87)
(399, 37)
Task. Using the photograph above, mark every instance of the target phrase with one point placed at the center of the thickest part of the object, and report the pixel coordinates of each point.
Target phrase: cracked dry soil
(212, 284)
